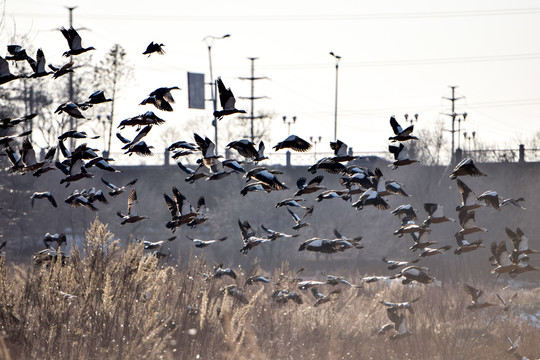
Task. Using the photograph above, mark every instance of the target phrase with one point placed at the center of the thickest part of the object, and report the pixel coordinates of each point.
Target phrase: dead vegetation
(112, 302)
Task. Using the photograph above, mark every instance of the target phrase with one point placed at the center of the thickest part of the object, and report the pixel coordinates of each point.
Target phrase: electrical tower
(454, 116)
(252, 116)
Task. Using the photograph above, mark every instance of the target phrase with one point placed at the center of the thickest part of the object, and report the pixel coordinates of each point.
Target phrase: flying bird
(74, 42)
(400, 133)
(154, 48)
(43, 195)
(132, 215)
(466, 167)
(293, 142)
(227, 100)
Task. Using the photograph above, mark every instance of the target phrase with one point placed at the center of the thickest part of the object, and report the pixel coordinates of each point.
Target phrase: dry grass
(128, 305)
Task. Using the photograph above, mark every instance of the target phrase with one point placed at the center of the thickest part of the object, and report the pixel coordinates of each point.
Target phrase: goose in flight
(62, 70)
(74, 42)
(299, 221)
(468, 199)
(313, 185)
(273, 235)
(415, 273)
(435, 214)
(5, 74)
(321, 298)
(464, 246)
(476, 298)
(227, 100)
(341, 152)
(38, 65)
(204, 243)
(400, 133)
(401, 155)
(401, 305)
(293, 142)
(161, 98)
(154, 48)
(490, 198)
(248, 237)
(132, 210)
(43, 195)
(117, 190)
(466, 167)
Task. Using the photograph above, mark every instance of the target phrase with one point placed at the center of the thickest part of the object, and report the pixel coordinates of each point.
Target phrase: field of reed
(108, 301)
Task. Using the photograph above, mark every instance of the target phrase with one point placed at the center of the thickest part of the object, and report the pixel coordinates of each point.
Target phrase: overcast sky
(397, 57)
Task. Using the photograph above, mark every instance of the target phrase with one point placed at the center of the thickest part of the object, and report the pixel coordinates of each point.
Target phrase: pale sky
(397, 57)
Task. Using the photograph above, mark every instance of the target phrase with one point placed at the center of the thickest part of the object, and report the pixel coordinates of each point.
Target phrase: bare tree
(111, 74)
(429, 150)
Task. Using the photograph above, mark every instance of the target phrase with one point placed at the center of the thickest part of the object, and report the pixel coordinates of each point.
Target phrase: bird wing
(295, 217)
(132, 203)
(226, 96)
(395, 126)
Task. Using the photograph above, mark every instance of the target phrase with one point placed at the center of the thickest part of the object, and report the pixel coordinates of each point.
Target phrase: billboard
(196, 90)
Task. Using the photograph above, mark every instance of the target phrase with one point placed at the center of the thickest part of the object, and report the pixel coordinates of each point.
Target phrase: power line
(303, 17)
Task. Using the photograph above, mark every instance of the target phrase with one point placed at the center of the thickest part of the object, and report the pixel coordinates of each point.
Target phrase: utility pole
(70, 85)
(454, 116)
(253, 97)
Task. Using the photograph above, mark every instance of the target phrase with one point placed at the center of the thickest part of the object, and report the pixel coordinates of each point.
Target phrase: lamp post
(459, 118)
(289, 123)
(315, 140)
(412, 120)
(209, 42)
(337, 57)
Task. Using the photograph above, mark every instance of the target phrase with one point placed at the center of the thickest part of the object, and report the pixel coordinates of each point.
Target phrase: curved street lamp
(209, 42)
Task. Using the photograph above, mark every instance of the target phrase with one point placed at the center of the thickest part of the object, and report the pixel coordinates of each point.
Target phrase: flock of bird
(370, 185)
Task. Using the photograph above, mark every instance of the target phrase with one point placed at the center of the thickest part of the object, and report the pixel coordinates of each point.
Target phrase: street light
(209, 42)
(289, 123)
(337, 57)
(315, 140)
